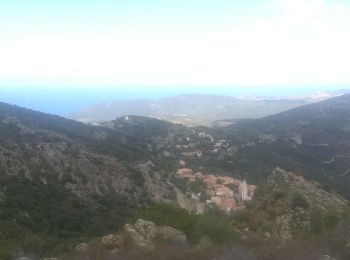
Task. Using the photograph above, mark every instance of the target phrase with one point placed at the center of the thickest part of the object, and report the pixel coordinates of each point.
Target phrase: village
(226, 193)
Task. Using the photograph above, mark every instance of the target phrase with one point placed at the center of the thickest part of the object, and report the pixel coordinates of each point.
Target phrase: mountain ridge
(190, 110)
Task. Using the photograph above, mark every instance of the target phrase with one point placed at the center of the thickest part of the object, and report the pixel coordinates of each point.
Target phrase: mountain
(288, 205)
(296, 218)
(307, 97)
(190, 110)
(313, 140)
(63, 182)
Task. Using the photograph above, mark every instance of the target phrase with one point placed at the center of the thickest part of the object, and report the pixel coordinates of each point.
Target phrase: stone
(327, 257)
(82, 247)
(172, 235)
(204, 242)
(137, 239)
(282, 229)
(347, 249)
(146, 228)
(267, 235)
(113, 241)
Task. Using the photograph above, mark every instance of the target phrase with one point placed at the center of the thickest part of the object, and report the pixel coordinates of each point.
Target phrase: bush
(299, 201)
(278, 195)
(167, 215)
(214, 226)
(217, 229)
(331, 219)
(57, 217)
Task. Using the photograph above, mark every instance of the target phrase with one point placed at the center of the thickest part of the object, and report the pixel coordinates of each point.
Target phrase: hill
(313, 140)
(190, 110)
(63, 182)
(66, 181)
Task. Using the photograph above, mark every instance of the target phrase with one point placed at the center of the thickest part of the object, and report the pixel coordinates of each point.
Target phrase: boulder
(281, 228)
(172, 235)
(136, 237)
(267, 235)
(347, 249)
(327, 257)
(82, 247)
(111, 241)
(143, 233)
(146, 228)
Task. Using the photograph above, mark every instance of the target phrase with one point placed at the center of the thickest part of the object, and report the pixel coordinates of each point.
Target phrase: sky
(58, 56)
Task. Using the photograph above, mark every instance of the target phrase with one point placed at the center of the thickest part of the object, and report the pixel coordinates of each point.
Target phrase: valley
(271, 180)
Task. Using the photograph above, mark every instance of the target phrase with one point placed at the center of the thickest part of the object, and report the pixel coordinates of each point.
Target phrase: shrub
(279, 195)
(214, 226)
(167, 215)
(217, 229)
(299, 201)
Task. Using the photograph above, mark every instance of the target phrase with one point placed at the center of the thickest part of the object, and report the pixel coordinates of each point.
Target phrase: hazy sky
(140, 44)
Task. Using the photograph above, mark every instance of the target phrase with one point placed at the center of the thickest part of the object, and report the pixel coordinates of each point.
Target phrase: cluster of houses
(227, 193)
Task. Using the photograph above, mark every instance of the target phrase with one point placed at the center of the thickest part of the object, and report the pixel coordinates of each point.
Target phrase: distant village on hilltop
(226, 193)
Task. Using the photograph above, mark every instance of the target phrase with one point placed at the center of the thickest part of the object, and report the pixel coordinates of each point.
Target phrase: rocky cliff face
(287, 206)
(57, 175)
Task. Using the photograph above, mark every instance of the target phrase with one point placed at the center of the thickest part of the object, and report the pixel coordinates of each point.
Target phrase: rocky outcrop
(171, 235)
(146, 228)
(287, 205)
(327, 257)
(347, 249)
(82, 247)
(137, 238)
(142, 234)
(190, 204)
(112, 241)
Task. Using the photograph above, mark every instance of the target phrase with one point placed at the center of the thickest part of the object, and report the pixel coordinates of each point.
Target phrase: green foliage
(172, 196)
(299, 201)
(278, 195)
(164, 214)
(204, 197)
(316, 221)
(217, 229)
(219, 181)
(58, 217)
(240, 215)
(214, 226)
(137, 178)
(197, 186)
(322, 221)
(180, 183)
(331, 219)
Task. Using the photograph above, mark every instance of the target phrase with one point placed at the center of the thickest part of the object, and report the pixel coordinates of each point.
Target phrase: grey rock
(137, 239)
(347, 249)
(82, 247)
(113, 241)
(171, 235)
(146, 228)
(327, 257)
(267, 235)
